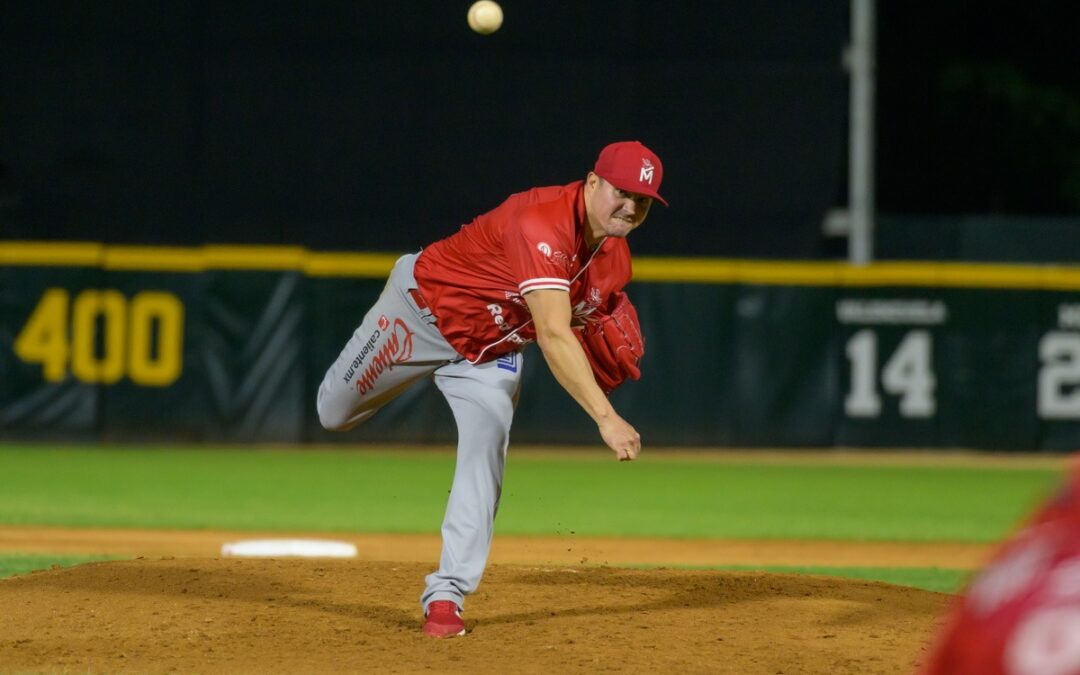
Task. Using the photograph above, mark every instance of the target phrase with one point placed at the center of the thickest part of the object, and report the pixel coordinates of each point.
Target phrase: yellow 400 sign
(128, 341)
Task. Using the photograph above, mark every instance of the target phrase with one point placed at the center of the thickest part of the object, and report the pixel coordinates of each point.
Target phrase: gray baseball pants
(395, 346)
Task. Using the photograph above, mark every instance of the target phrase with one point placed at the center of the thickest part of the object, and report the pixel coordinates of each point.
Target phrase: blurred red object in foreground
(1021, 615)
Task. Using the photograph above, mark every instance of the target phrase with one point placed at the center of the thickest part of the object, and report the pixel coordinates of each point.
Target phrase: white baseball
(485, 16)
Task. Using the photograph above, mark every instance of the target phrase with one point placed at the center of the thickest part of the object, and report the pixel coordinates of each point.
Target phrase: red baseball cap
(631, 167)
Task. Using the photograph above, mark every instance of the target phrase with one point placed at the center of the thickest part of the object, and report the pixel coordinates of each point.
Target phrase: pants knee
(331, 420)
(333, 416)
(334, 420)
(486, 428)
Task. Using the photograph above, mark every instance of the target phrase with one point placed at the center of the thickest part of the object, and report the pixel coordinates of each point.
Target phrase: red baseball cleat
(443, 619)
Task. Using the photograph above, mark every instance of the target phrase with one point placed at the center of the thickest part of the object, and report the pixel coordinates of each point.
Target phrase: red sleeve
(539, 250)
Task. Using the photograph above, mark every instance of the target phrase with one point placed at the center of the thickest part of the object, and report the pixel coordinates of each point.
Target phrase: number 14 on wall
(908, 373)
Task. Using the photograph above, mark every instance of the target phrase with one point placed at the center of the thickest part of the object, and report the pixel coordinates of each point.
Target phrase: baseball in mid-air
(485, 16)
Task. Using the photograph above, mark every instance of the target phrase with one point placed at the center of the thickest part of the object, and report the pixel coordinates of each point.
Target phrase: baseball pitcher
(547, 265)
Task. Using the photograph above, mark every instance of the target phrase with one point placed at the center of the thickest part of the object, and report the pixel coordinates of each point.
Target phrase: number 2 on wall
(1059, 376)
(908, 373)
(127, 344)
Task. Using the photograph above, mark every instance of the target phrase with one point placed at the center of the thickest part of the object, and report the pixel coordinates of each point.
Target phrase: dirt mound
(232, 616)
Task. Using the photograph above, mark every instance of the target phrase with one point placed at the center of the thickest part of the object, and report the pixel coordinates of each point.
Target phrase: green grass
(926, 578)
(23, 563)
(589, 494)
(708, 499)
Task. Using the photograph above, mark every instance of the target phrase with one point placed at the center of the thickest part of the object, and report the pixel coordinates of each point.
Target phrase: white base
(288, 548)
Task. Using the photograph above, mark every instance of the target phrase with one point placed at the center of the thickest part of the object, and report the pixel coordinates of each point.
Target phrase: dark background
(979, 108)
(382, 126)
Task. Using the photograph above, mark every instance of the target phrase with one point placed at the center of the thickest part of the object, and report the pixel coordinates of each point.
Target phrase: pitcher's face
(613, 212)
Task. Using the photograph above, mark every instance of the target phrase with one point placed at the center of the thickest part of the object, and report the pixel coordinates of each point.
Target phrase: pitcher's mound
(261, 616)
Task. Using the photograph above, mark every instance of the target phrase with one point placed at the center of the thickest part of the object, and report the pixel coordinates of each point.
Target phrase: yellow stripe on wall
(195, 259)
(923, 274)
(646, 269)
(371, 265)
(152, 258)
(36, 254)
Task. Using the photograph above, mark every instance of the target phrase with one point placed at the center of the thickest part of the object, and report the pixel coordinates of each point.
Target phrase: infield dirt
(211, 615)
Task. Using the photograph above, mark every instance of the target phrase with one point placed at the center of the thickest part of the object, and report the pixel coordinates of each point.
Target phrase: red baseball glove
(614, 344)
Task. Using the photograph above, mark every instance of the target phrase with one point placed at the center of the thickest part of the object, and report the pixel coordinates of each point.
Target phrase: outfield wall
(229, 344)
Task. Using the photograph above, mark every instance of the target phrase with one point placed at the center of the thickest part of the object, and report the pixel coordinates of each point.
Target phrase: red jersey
(1021, 615)
(474, 281)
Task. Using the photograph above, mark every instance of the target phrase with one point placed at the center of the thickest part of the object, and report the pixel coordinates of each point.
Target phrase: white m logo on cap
(646, 172)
